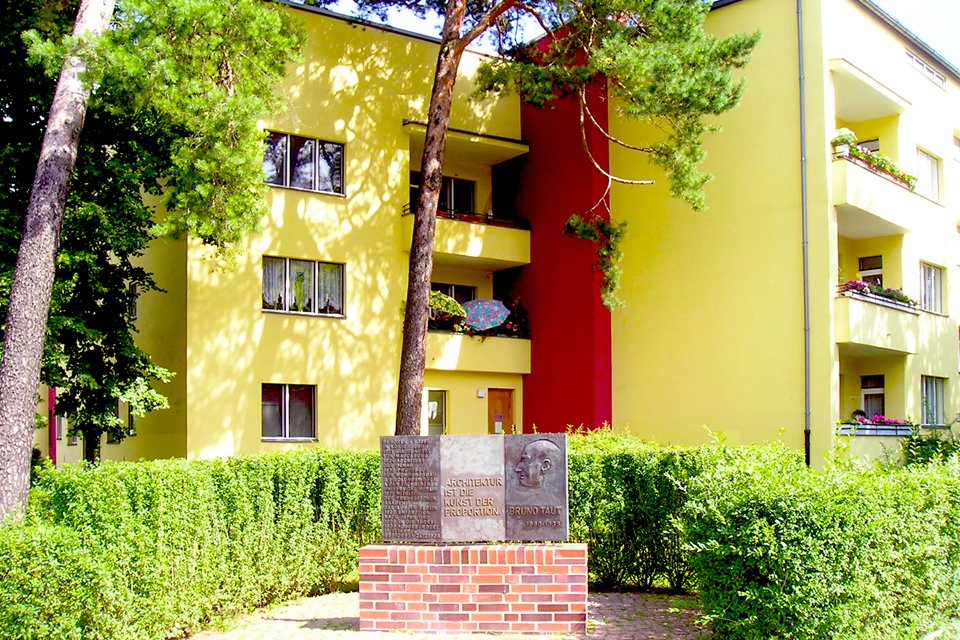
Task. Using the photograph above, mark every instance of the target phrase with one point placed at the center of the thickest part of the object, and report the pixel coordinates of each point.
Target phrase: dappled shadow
(356, 86)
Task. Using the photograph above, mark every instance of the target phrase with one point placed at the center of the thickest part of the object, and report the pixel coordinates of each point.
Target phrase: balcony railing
(875, 298)
(474, 218)
(870, 429)
(880, 171)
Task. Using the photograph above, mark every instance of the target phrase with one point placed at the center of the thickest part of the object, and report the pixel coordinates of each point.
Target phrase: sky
(936, 22)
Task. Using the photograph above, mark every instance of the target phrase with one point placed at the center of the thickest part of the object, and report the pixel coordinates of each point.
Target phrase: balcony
(871, 203)
(861, 96)
(870, 325)
(458, 352)
(474, 240)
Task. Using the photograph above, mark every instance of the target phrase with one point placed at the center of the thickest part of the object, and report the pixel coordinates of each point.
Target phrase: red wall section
(570, 377)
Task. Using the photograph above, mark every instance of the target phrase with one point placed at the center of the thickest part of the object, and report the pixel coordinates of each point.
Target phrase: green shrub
(845, 553)
(37, 564)
(626, 498)
(169, 545)
(937, 446)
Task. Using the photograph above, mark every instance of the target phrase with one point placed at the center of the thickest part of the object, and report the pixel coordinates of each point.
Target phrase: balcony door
(499, 411)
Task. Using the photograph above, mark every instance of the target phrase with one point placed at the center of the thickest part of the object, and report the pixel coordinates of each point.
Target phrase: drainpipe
(806, 240)
(52, 423)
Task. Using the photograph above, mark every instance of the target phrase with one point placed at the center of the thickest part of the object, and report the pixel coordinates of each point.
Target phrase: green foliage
(884, 164)
(202, 73)
(158, 549)
(608, 235)
(844, 553)
(660, 66)
(626, 501)
(179, 89)
(937, 446)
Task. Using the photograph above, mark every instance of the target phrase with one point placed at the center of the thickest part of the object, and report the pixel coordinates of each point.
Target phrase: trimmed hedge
(844, 553)
(626, 501)
(158, 549)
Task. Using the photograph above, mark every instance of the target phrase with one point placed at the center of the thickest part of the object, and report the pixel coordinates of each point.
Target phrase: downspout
(52, 423)
(805, 236)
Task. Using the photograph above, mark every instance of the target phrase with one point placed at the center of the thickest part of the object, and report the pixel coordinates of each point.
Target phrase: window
(302, 286)
(112, 439)
(932, 74)
(928, 175)
(459, 292)
(931, 288)
(303, 163)
(871, 270)
(872, 145)
(436, 412)
(287, 411)
(132, 308)
(456, 194)
(932, 398)
(872, 397)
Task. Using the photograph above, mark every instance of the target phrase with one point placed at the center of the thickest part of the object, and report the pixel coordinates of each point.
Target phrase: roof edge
(911, 37)
(356, 20)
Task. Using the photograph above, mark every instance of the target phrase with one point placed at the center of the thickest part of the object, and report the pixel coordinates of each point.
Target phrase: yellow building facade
(746, 327)
(740, 319)
(321, 366)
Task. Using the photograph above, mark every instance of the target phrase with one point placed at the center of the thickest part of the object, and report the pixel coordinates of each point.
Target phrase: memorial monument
(439, 492)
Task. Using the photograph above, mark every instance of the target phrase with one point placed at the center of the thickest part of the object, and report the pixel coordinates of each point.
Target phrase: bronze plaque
(535, 468)
(474, 488)
(410, 477)
(471, 480)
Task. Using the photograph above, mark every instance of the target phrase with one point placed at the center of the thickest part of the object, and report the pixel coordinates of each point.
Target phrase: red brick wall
(460, 588)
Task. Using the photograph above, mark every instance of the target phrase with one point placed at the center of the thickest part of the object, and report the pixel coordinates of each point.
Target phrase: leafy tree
(180, 86)
(656, 59)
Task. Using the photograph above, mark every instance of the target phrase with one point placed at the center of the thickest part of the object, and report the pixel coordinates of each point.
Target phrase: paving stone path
(612, 616)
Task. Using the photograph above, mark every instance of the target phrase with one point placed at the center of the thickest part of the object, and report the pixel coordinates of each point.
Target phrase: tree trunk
(33, 276)
(414, 351)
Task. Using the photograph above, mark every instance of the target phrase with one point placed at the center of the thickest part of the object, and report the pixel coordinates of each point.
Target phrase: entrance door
(499, 411)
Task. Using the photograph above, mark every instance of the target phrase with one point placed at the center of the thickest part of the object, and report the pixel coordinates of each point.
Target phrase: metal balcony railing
(474, 218)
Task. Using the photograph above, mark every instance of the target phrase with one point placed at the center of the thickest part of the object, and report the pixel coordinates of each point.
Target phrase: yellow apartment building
(737, 318)
(766, 317)
(300, 342)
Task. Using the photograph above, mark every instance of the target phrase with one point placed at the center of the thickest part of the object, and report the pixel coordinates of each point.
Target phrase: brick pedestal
(516, 588)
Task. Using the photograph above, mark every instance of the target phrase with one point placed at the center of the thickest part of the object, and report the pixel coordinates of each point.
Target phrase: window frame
(868, 387)
(926, 69)
(288, 169)
(873, 275)
(315, 292)
(442, 412)
(285, 413)
(938, 386)
(447, 200)
(932, 298)
(930, 189)
(452, 289)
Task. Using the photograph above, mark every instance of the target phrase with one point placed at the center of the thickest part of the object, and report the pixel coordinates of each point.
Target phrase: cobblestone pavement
(612, 616)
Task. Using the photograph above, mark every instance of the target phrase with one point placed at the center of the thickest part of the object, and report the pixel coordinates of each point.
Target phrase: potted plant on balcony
(842, 141)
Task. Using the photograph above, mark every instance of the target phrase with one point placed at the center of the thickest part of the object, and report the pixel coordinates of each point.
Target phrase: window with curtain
(872, 395)
(302, 286)
(932, 391)
(931, 288)
(928, 175)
